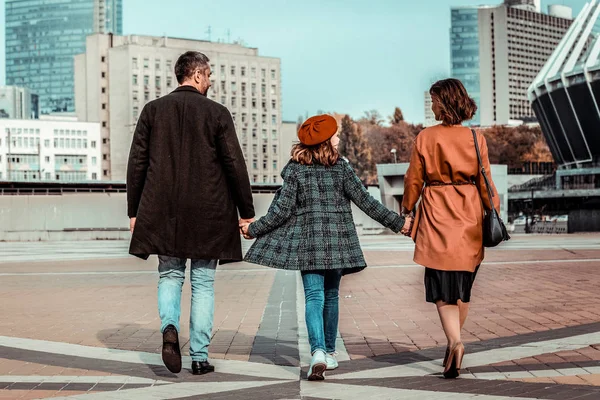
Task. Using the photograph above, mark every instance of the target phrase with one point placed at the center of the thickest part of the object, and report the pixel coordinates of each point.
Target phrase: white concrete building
(497, 51)
(49, 150)
(429, 115)
(18, 103)
(118, 75)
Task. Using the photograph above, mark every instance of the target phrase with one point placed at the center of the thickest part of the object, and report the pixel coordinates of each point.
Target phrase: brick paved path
(89, 327)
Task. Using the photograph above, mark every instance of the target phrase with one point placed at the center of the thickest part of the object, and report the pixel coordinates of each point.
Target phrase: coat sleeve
(480, 182)
(282, 207)
(414, 179)
(356, 191)
(234, 165)
(139, 159)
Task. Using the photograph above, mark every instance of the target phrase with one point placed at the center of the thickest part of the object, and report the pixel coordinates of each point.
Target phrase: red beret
(317, 130)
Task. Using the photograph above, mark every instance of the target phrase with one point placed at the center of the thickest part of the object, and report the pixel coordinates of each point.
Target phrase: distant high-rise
(497, 51)
(43, 36)
(429, 115)
(117, 76)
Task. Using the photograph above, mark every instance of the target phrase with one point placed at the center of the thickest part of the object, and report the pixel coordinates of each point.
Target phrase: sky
(345, 56)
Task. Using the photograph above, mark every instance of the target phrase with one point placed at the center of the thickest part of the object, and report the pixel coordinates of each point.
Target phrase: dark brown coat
(187, 179)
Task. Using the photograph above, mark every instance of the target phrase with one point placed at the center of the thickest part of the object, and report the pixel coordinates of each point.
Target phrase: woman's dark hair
(454, 102)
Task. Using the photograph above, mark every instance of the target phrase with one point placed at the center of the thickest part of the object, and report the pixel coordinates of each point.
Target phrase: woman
(447, 230)
(309, 228)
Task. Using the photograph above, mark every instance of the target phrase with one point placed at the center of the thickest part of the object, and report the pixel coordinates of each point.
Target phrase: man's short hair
(188, 63)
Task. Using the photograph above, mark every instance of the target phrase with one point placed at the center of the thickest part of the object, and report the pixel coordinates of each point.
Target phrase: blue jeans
(202, 278)
(321, 291)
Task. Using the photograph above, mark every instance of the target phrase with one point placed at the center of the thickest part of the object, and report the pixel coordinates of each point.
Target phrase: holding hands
(407, 228)
(243, 225)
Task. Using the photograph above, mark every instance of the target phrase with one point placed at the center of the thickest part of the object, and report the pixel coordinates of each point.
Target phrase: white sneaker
(332, 362)
(318, 365)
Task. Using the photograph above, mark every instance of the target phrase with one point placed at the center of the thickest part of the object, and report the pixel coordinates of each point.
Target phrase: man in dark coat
(186, 182)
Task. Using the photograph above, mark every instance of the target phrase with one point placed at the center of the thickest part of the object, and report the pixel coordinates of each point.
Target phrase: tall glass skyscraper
(464, 49)
(43, 36)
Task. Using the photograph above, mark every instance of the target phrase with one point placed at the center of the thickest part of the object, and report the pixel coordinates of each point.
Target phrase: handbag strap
(485, 178)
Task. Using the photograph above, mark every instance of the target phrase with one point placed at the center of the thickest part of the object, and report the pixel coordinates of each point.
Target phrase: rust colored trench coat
(445, 174)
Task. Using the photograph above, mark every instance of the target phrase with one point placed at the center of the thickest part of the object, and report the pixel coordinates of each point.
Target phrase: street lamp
(394, 151)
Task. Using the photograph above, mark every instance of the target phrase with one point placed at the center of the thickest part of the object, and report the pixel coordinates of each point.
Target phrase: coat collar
(188, 88)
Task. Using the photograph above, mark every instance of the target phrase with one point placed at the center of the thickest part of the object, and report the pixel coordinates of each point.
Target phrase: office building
(43, 36)
(49, 150)
(498, 50)
(18, 103)
(118, 75)
(429, 115)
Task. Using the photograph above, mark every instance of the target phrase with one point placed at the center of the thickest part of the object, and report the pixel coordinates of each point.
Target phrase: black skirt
(448, 286)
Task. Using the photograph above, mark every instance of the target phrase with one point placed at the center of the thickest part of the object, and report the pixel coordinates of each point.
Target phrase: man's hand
(246, 221)
(132, 224)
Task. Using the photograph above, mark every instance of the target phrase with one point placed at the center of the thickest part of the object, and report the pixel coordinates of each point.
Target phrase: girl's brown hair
(455, 104)
(324, 154)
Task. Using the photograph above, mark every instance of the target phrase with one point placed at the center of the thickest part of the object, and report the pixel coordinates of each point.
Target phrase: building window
(104, 74)
(233, 70)
(104, 106)
(103, 90)
(92, 144)
(274, 134)
(274, 178)
(157, 82)
(253, 72)
(243, 71)
(105, 172)
(273, 74)
(104, 124)
(47, 159)
(135, 79)
(253, 133)
(94, 160)
(134, 63)
(222, 70)
(48, 176)
(253, 89)
(255, 164)
(169, 81)
(263, 73)
(265, 179)
(135, 95)
(157, 65)
(244, 103)
(103, 59)
(233, 103)
(275, 164)
(254, 178)
(136, 112)
(104, 157)
(47, 143)
(264, 148)
(274, 149)
(94, 176)
(264, 134)
(169, 65)
(253, 103)
(274, 104)
(263, 89)
(265, 164)
(264, 118)
(273, 90)
(146, 80)
(146, 63)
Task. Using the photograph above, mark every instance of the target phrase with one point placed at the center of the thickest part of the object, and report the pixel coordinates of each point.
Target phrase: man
(186, 182)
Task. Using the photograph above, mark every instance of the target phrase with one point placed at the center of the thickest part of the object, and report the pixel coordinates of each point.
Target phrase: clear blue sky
(338, 55)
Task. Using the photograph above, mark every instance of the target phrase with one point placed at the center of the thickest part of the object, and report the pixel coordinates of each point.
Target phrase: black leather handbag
(494, 230)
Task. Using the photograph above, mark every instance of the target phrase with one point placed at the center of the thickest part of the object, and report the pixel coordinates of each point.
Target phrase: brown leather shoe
(171, 353)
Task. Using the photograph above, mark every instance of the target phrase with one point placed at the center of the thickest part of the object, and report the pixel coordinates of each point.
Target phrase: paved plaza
(79, 320)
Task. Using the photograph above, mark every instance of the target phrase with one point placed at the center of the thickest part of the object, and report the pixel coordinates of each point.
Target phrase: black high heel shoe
(446, 357)
(455, 357)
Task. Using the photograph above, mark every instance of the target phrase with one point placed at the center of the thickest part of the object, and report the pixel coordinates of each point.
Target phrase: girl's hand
(244, 231)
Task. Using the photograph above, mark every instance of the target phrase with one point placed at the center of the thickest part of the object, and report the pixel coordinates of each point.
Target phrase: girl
(309, 228)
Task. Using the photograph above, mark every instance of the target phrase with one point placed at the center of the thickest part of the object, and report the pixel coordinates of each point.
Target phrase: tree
(397, 117)
(373, 117)
(355, 148)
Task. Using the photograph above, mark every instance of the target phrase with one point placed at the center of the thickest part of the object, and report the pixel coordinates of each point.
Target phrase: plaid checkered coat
(309, 225)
